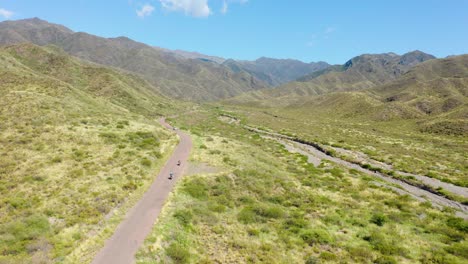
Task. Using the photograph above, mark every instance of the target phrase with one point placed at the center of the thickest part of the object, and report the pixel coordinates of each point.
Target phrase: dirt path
(132, 231)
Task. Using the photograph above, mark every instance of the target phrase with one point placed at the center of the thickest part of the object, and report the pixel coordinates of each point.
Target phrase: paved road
(130, 234)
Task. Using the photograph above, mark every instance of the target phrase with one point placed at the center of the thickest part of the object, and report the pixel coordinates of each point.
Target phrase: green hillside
(173, 75)
(361, 72)
(418, 123)
(76, 140)
(262, 204)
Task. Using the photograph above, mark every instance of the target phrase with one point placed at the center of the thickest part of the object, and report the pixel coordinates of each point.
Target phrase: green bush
(312, 260)
(385, 260)
(143, 140)
(184, 216)
(295, 224)
(196, 188)
(110, 137)
(18, 202)
(146, 162)
(458, 223)
(129, 186)
(459, 249)
(216, 207)
(253, 232)
(378, 219)
(316, 236)
(17, 235)
(247, 216)
(259, 213)
(269, 212)
(215, 152)
(382, 244)
(178, 253)
(56, 159)
(328, 256)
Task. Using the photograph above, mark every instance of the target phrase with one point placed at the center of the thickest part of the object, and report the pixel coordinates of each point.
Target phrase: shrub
(226, 160)
(143, 140)
(437, 256)
(360, 253)
(459, 249)
(146, 162)
(247, 216)
(23, 232)
(378, 219)
(110, 137)
(216, 207)
(178, 253)
(268, 212)
(311, 260)
(56, 159)
(253, 232)
(129, 186)
(385, 260)
(184, 217)
(458, 223)
(18, 202)
(316, 236)
(79, 155)
(383, 244)
(295, 224)
(336, 172)
(196, 188)
(327, 256)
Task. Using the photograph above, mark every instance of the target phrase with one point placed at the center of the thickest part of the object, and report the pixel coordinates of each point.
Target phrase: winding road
(132, 231)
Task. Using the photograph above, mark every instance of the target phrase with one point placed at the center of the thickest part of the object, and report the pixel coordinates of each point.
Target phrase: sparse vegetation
(274, 207)
(76, 142)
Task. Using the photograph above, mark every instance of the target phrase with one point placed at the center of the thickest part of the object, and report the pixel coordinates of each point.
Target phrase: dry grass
(269, 206)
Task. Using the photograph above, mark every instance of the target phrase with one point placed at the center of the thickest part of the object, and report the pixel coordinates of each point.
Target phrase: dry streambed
(315, 155)
(418, 193)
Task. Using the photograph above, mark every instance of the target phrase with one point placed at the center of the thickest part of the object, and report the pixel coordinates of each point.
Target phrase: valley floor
(264, 204)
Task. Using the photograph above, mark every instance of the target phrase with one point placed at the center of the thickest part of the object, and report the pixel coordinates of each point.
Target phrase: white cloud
(195, 8)
(146, 10)
(6, 13)
(329, 30)
(226, 3)
(316, 39)
(224, 9)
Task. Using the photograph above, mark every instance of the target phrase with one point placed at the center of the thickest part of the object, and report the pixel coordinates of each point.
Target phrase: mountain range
(179, 74)
(361, 72)
(404, 86)
(174, 76)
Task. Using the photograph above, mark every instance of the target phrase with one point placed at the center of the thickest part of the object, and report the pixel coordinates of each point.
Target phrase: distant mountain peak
(414, 57)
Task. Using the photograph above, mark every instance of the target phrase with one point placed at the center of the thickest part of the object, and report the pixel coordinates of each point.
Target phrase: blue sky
(308, 30)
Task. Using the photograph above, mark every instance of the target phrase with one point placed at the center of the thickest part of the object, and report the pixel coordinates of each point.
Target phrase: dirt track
(132, 231)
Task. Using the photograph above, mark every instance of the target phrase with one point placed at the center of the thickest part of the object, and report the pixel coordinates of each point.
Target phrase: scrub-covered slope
(76, 141)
